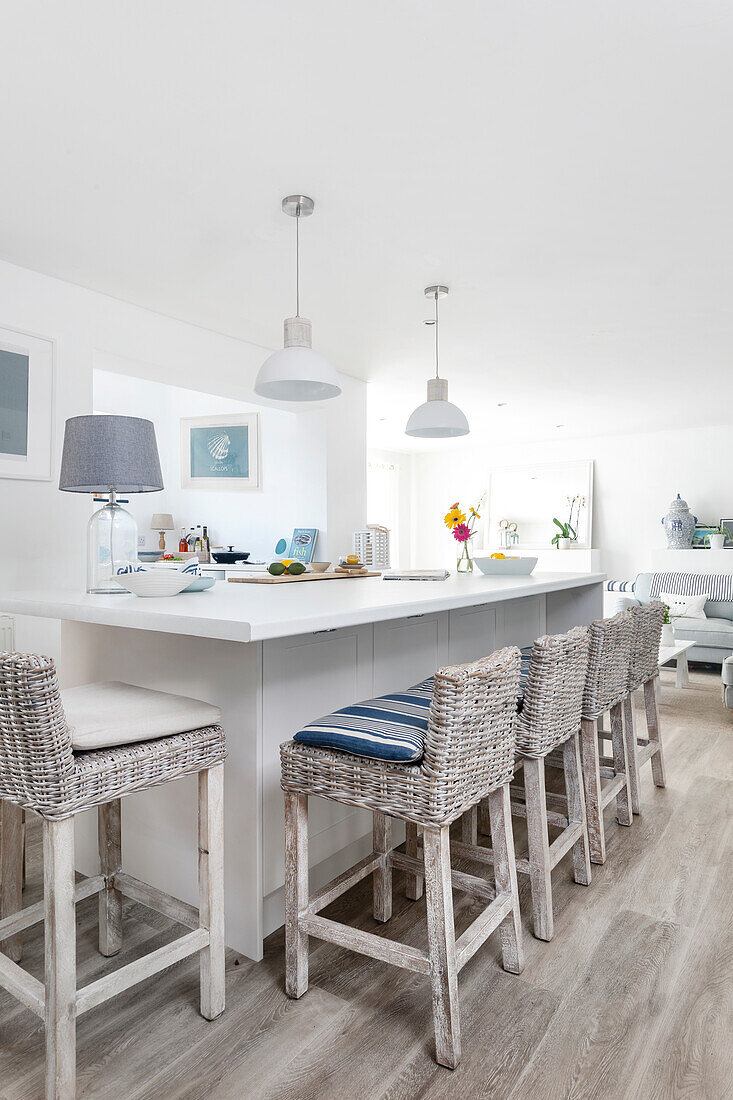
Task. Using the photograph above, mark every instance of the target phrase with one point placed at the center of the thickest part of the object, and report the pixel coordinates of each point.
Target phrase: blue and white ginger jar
(679, 523)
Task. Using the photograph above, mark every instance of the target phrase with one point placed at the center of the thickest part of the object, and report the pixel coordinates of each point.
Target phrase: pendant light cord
(436, 335)
(297, 261)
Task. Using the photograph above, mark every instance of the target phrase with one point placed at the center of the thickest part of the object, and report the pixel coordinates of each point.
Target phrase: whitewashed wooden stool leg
(296, 893)
(540, 870)
(382, 877)
(592, 787)
(484, 818)
(632, 762)
(652, 723)
(624, 814)
(413, 882)
(11, 872)
(60, 933)
(442, 945)
(211, 889)
(469, 827)
(505, 875)
(109, 829)
(576, 808)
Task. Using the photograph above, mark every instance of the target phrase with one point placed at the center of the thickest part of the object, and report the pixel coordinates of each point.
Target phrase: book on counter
(418, 575)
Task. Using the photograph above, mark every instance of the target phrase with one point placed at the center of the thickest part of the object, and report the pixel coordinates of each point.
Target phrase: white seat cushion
(112, 713)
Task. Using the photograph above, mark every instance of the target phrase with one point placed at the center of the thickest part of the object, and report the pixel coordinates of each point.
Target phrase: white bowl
(155, 583)
(504, 567)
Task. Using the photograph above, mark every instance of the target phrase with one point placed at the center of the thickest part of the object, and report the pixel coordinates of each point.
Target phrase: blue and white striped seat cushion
(390, 727)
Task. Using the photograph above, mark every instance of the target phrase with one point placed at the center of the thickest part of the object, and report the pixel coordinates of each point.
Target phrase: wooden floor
(632, 999)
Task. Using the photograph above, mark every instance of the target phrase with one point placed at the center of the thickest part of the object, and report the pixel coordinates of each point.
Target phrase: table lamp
(162, 522)
(110, 455)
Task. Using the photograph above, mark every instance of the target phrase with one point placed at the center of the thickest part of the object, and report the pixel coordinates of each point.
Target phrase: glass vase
(465, 561)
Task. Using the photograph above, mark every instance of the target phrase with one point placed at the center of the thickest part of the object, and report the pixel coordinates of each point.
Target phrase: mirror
(531, 496)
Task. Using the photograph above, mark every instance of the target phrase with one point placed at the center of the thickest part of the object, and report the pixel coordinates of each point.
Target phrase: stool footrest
(365, 943)
(23, 986)
(470, 884)
(646, 751)
(611, 789)
(339, 885)
(96, 993)
(33, 914)
(476, 934)
(150, 896)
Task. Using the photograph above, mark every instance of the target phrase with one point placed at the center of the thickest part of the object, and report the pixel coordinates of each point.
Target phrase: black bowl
(229, 557)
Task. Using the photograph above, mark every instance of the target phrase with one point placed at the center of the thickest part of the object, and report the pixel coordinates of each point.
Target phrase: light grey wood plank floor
(632, 1000)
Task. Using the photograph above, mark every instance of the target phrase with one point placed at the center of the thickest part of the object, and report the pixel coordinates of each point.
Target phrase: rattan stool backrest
(469, 748)
(609, 655)
(36, 761)
(553, 694)
(645, 641)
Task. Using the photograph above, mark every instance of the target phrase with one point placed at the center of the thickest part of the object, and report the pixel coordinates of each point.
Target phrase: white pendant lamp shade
(297, 373)
(437, 418)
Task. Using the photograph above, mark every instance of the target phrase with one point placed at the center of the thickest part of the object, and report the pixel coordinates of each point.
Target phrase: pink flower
(461, 532)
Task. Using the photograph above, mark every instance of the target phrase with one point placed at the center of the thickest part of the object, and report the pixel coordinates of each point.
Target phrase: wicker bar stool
(605, 690)
(548, 719)
(468, 755)
(40, 772)
(644, 673)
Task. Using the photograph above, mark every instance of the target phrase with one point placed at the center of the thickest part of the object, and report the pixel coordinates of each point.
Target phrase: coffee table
(678, 653)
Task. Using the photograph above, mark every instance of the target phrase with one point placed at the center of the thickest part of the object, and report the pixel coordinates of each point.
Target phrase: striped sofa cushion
(390, 727)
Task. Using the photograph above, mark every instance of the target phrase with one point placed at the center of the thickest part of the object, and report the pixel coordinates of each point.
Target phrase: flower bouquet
(462, 530)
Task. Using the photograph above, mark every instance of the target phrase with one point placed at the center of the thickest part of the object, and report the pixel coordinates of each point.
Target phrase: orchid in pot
(463, 531)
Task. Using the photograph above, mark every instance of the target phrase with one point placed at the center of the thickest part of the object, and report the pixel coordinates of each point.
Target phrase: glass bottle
(183, 544)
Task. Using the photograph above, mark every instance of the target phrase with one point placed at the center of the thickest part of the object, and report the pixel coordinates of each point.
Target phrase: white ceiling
(565, 167)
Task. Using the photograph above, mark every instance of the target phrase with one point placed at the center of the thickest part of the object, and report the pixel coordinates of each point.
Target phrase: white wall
(44, 529)
(635, 478)
(291, 492)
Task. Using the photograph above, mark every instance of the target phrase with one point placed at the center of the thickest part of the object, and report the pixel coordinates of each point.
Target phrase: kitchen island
(275, 657)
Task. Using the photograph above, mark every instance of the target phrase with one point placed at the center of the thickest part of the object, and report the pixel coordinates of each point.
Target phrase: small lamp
(162, 522)
(110, 455)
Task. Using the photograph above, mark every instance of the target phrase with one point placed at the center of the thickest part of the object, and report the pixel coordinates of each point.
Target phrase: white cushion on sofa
(113, 713)
(692, 607)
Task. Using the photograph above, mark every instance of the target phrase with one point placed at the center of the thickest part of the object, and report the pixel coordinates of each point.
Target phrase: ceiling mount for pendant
(437, 418)
(297, 373)
(298, 206)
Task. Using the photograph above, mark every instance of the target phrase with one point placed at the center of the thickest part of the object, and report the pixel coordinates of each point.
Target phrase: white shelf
(693, 561)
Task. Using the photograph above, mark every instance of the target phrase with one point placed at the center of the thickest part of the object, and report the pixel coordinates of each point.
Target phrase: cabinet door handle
(420, 616)
(326, 630)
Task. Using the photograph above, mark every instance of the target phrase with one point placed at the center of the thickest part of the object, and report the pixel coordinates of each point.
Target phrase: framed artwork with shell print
(220, 452)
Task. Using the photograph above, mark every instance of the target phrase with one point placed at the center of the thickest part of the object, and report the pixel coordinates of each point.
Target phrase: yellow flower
(475, 513)
(454, 517)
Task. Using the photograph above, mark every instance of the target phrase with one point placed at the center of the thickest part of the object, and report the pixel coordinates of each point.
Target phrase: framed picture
(303, 543)
(700, 536)
(26, 405)
(220, 452)
(728, 538)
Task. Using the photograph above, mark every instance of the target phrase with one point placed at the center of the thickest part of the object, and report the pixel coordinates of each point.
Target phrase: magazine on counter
(418, 575)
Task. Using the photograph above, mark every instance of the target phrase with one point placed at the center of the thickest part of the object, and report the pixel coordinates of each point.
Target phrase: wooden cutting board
(287, 579)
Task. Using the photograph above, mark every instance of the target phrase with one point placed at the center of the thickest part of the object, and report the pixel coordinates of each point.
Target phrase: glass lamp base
(111, 547)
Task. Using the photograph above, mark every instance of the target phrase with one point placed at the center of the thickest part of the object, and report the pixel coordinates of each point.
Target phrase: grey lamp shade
(110, 452)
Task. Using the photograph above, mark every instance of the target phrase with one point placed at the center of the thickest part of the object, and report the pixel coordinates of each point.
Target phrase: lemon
(496, 556)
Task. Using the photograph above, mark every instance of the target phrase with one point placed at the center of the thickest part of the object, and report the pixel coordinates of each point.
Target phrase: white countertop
(251, 612)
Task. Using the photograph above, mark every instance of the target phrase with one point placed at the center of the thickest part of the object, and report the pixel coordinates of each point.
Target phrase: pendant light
(297, 373)
(437, 418)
